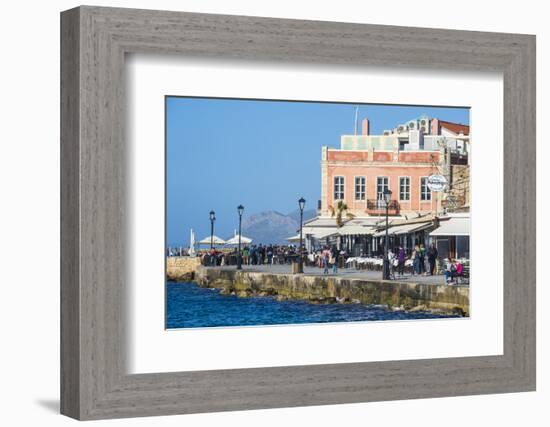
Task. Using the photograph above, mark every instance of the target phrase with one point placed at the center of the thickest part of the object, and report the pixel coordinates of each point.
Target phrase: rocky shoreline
(395, 296)
(181, 269)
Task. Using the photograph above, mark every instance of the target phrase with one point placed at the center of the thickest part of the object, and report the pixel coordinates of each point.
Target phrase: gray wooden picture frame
(94, 381)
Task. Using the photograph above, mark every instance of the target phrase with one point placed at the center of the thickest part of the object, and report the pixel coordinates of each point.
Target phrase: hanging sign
(437, 182)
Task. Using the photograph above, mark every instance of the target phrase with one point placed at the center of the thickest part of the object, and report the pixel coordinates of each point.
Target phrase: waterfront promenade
(344, 273)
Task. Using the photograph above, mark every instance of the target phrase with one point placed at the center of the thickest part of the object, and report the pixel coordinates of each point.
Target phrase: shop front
(452, 237)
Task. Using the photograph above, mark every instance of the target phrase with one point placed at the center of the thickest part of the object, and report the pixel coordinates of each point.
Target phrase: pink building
(400, 160)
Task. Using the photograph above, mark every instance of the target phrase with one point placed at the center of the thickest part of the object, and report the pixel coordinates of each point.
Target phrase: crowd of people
(424, 263)
(329, 258)
(269, 254)
(421, 261)
(253, 255)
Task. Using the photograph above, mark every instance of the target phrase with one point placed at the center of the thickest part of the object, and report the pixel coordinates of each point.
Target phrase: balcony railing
(378, 207)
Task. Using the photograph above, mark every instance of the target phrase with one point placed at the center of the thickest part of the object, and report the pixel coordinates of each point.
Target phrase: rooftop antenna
(355, 125)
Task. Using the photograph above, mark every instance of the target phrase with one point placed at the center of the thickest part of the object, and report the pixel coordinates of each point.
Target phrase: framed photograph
(261, 213)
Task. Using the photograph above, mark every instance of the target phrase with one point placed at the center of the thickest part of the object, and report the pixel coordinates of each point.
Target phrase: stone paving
(351, 273)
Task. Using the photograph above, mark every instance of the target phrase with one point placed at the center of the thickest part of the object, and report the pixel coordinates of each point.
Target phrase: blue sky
(264, 155)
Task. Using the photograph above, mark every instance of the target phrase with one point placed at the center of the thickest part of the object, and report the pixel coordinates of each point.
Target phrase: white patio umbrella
(214, 239)
(192, 243)
(235, 240)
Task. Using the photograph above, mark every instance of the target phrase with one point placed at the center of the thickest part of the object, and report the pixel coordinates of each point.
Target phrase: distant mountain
(272, 226)
(308, 214)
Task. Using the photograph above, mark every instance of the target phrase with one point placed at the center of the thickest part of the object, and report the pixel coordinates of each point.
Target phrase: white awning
(412, 228)
(315, 233)
(355, 230)
(320, 221)
(455, 226)
(404, 229)
(320, 233)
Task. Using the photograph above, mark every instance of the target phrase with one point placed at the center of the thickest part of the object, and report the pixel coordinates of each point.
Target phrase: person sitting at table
(450, 271)
(459, 273)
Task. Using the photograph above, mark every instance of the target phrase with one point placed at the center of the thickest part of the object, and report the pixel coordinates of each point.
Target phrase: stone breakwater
(322, 289)
(181, 269)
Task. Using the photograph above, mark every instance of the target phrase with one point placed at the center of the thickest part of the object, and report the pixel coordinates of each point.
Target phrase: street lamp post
(386, 266)
(301, 204)
(212, 219)
(240, 210)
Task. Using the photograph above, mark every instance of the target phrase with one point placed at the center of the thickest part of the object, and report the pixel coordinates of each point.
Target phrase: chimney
(365, 126)
(434, 127)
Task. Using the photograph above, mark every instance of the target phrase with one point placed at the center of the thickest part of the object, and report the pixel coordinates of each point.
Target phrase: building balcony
(378, 207)
(458, 158)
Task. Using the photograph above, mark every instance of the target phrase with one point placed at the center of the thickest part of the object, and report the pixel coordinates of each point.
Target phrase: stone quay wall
(322, 289)
(181, 269)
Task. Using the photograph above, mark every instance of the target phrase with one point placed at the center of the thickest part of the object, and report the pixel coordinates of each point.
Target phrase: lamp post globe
(301, 205)
(387, 196)
(240, 210)
(212, 219)
(386, 264)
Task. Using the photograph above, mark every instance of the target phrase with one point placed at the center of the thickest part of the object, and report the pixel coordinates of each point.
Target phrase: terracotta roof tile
(455, 127)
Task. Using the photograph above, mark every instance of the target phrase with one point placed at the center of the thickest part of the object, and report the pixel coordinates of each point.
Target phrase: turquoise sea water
(190, 306)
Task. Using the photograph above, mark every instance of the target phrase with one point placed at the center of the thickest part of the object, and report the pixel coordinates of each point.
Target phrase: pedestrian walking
(270, 254)
(416, 260)
(213, 257)
(392, 260)
(422, 250)
(261, 254)
(401, 256)
(335, 258)
(326, 258)
(432, 258)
